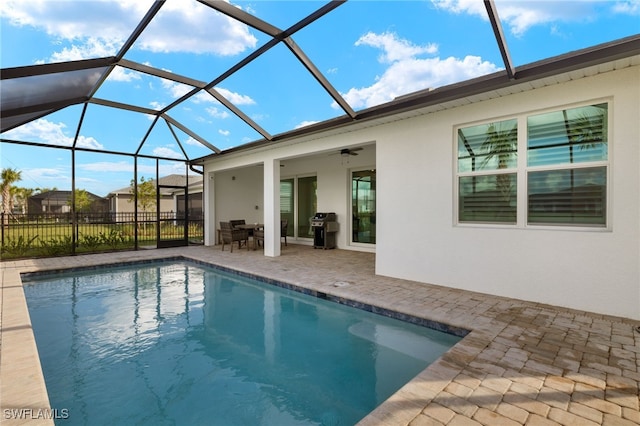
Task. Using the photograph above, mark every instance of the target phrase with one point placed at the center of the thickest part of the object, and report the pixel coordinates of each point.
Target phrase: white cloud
(217, 113)
(90, 48)
(175, 89)
(164, 151)
(193, 142)
(123, 74)
(235, 98)
(629, 7)
(203, 97)
(407, 73)
(74, 25)
(88, 142)
(107, 166)
(306, 123)
(394, 48)
(520, 16)
(224, 132)
(48, 132)
(47, 177)
(156, 105)
(201, 31)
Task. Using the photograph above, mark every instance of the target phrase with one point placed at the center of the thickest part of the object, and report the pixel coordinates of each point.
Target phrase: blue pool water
(187, 344)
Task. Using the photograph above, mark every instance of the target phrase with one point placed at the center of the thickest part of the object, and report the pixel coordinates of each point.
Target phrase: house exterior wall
(596, 270)
(123, 203)
(242, 191)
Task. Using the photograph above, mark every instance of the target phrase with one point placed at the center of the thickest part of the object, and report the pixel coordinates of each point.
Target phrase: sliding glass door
(363, 206)
(298, 204)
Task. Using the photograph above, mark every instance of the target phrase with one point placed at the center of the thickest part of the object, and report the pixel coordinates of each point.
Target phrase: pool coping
(504, 370)
(390, 313)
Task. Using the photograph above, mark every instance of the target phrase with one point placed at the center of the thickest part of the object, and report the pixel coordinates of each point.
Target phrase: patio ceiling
(32, 92)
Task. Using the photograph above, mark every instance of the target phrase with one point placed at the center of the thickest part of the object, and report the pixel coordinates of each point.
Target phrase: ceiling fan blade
(347, 151)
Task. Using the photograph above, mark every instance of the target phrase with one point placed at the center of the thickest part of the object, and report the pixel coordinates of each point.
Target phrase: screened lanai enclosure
(141, 92)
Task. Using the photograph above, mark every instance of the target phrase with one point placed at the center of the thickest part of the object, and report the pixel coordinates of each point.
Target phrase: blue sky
(370, 51)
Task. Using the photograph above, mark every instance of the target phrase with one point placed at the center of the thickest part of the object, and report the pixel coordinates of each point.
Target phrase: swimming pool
(186, 343)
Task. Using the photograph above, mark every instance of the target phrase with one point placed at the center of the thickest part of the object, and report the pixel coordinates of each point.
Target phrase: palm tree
(22, 197)
(502, 144)
(587, 130)
(9, 177)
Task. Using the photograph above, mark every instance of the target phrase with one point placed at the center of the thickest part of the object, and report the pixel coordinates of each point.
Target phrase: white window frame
(522, 171)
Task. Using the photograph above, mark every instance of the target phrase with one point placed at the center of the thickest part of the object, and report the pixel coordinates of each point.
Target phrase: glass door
(171, 226)
(363, 206)
(307, 205)
(298, 203)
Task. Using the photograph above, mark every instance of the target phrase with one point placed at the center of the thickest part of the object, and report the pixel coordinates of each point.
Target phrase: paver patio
(521, 363)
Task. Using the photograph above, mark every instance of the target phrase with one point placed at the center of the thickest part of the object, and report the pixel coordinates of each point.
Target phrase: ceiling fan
(345, 152)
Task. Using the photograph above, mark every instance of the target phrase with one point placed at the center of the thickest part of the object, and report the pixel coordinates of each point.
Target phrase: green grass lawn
(56, 239)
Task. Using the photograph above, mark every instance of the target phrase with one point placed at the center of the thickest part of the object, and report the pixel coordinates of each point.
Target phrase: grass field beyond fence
(59, 234)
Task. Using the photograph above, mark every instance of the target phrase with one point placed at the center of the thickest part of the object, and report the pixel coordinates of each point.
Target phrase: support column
(272, 208)
(209, 206)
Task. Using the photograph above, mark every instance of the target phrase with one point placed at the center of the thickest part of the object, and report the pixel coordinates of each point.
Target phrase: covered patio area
(302, 183)
(521, 363)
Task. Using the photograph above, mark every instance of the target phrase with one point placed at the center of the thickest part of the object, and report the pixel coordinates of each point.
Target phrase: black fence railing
(49, 234)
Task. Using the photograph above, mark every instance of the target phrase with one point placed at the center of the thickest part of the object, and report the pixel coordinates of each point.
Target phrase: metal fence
(49, 234)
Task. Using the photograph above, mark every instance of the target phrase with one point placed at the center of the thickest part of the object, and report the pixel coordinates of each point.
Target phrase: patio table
(251, 227)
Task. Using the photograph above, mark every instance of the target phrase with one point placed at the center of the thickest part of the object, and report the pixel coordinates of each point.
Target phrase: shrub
(18, 246)
(90, 241)
(57, 246)
(113, 238)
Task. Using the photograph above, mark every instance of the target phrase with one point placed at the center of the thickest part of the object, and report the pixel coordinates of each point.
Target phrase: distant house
(172, 196)
(195, 205)
(60, 202)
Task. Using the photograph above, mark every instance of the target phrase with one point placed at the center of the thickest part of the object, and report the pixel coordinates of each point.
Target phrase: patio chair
(284, 224)
(258, 236)
(228, 235)
(236, 222)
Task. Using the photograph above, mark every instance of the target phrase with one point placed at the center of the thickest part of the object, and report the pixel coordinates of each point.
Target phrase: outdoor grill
(324, 227)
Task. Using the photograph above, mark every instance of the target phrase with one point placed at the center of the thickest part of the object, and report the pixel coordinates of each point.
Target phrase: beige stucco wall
(124, 205)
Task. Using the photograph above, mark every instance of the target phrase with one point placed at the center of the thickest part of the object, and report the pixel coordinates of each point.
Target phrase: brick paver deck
(522, 362)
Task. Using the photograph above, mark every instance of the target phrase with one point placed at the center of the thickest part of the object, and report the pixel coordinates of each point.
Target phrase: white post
(209, 205)
(272, 208)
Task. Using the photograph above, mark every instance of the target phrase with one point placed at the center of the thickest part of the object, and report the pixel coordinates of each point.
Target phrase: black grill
(324, 227)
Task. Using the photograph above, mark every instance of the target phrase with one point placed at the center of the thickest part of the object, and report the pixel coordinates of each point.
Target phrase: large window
(487, 160)
(555, 171)
(567, 157)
